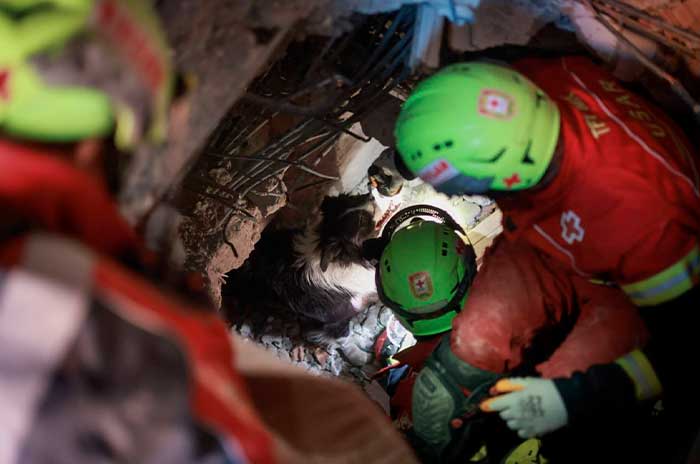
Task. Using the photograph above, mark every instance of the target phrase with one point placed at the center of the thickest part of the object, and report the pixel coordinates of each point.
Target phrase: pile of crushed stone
(352, 358)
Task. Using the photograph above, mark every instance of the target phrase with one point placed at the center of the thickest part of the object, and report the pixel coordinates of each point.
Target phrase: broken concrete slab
(220, 46)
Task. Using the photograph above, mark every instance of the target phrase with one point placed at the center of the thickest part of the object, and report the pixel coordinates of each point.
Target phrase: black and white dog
(317, 272)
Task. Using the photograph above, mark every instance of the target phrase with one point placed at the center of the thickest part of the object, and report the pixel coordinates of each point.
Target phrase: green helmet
(474, 127)
(78, 69)
(424, 274)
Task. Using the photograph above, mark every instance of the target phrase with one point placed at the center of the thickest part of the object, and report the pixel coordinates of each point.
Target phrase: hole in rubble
(329, 322)
(304, 291)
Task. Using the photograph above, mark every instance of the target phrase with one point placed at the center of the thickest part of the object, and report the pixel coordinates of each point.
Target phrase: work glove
(530, 406)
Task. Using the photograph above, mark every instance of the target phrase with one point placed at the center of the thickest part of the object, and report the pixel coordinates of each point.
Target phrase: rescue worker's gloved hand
(530, 406)
(603, 391)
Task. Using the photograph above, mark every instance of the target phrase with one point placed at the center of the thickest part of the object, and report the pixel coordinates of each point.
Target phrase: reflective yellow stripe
(638, 368)
(667, 284)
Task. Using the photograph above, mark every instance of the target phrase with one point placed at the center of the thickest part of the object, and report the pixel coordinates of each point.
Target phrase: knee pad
(442, 393)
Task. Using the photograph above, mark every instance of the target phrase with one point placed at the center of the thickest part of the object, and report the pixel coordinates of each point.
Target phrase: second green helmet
(424, 274)
(475, 127)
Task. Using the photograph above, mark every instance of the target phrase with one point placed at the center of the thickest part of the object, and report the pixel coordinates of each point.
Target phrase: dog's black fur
(317, 272)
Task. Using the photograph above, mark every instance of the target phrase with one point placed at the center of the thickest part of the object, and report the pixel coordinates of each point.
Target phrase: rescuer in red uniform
(593, 176)
(558, 323)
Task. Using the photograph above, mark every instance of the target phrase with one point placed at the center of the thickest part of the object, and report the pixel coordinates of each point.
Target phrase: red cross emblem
(512, 180)
(495, 104)
(421, 285)
(4, 84)
(571, 229)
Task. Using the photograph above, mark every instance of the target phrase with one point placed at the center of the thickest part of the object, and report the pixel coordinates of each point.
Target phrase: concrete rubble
(284, 339)
(353, 358)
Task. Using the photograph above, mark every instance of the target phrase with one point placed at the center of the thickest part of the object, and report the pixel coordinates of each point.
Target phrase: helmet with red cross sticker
(476, 127)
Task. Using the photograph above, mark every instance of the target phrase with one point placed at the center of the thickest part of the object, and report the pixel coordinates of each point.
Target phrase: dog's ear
(330, 253)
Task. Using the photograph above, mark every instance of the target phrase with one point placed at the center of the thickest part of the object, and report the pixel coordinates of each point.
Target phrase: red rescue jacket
(625, 205)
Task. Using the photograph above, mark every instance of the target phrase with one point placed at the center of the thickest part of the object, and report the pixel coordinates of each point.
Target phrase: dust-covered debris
(352, 358)
(499, 22)
(223, 238)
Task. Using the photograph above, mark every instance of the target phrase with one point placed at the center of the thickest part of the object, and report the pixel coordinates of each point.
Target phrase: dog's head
(346, 221)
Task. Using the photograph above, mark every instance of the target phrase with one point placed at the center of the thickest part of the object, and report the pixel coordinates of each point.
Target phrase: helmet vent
(539, 98)
(444, 248)
(386, 265)
(527, 159)
(446, 143)
(495, 157)
(417, 155)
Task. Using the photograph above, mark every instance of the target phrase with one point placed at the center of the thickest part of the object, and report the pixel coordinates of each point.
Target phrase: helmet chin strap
(442, 216)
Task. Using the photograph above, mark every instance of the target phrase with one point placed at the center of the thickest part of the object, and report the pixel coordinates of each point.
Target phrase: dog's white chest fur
(355, 279)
